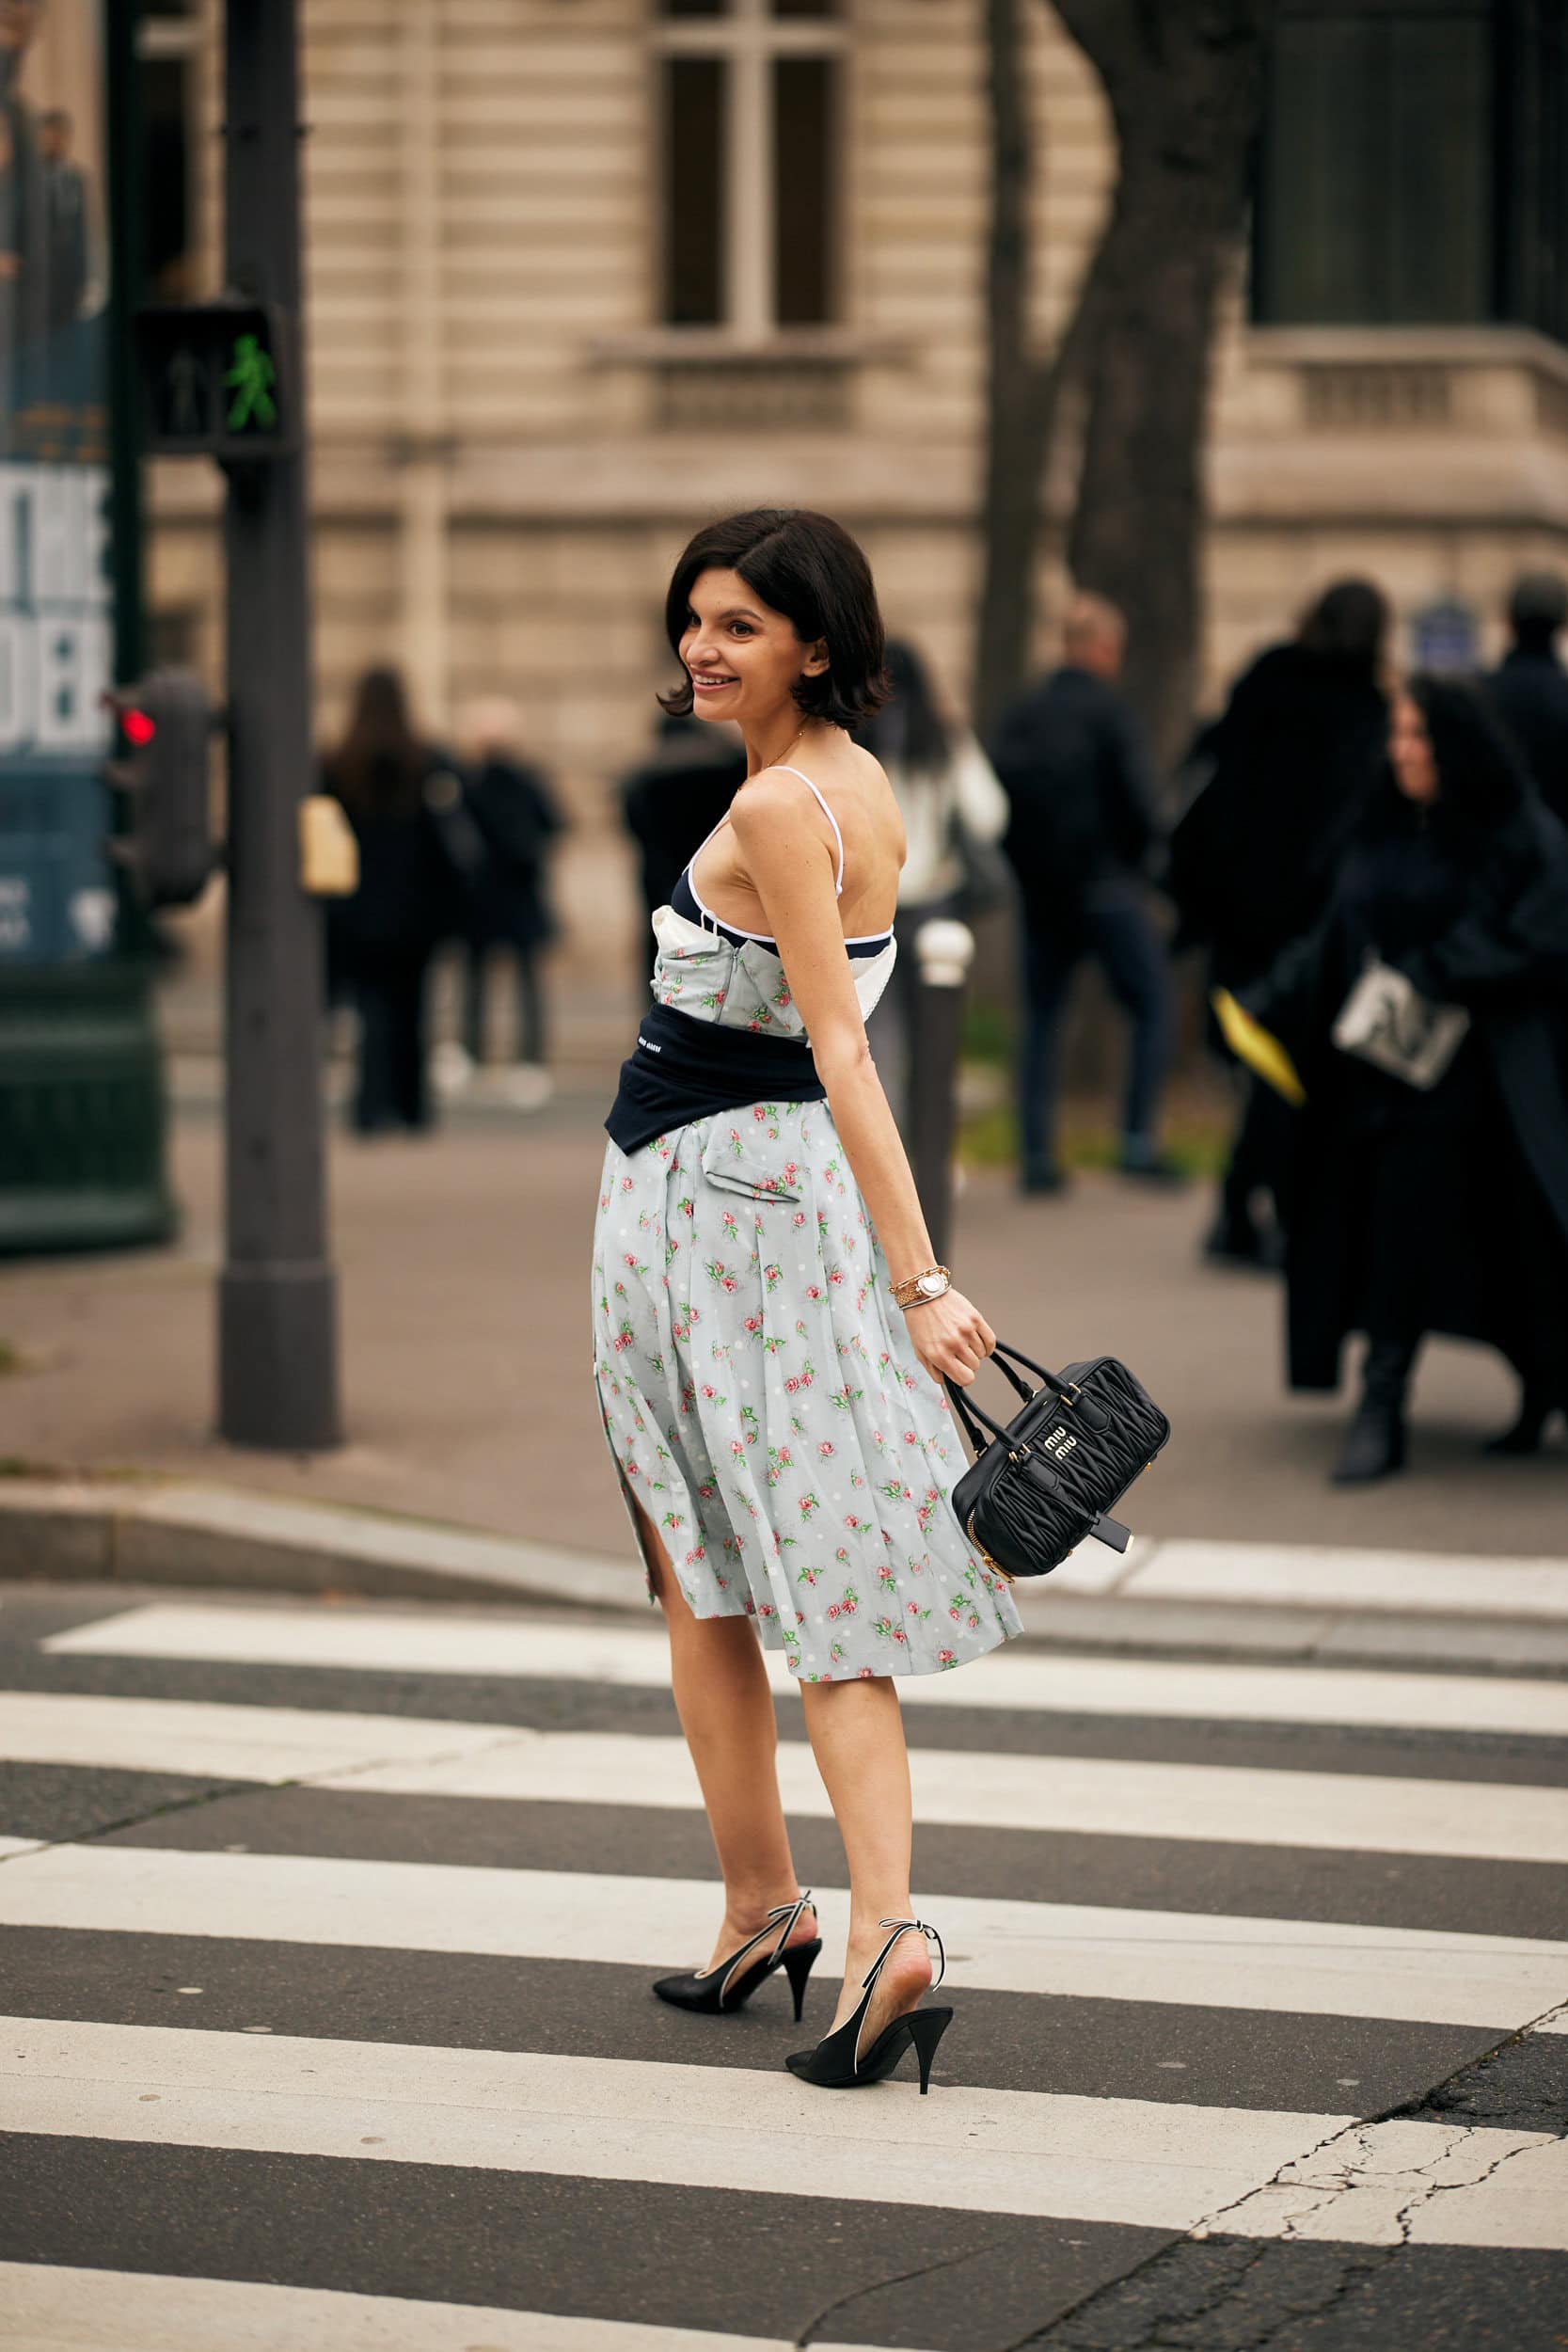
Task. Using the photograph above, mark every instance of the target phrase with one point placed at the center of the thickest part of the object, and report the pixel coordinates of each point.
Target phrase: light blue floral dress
(760, 1393)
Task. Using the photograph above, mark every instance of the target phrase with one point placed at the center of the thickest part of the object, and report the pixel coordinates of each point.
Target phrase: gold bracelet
(918, 1290)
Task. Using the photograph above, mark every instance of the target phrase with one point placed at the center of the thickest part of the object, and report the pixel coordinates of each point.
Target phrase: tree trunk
(1184, 80)
(1011, 514)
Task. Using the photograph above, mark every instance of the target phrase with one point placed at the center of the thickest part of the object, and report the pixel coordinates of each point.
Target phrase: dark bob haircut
(807, 567)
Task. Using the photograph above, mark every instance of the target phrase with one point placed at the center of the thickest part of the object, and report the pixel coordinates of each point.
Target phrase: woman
(777, 1421)
(383, 938)
(1302, 741)
(1443, 1209)
(954, 814)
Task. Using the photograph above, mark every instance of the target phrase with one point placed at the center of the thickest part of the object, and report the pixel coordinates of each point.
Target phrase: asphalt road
(327, 2023)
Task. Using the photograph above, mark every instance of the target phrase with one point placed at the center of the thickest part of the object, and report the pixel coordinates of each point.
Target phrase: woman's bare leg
(856, 1736)
(725, 1705)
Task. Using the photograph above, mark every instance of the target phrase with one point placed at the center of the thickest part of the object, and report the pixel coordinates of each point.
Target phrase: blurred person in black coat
(508, 897)
(1530, 687)
(672, 802)
(1302, 741)
(382, 939)
(1443, 1210)
(1073, 760)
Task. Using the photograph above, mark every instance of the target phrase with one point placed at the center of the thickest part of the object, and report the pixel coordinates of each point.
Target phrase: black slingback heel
(730, 1984)
(836, 2063)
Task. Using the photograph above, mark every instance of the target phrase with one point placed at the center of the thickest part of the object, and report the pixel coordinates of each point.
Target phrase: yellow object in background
(328, 852)
(1258, 1047)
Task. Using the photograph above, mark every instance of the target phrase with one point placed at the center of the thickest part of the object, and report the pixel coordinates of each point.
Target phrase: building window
(750, 99)
(168, 40)
(1411, 170)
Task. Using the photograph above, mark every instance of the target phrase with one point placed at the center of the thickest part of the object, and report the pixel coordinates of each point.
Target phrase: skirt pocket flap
(744, 1159)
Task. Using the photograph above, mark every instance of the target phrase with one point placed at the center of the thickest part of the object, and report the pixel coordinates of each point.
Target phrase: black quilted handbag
(1038, 1488)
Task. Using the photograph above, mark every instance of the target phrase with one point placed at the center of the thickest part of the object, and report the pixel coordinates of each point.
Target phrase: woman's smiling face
(743, 658)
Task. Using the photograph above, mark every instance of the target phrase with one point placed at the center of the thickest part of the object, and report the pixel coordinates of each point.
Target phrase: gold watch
(918, 1290)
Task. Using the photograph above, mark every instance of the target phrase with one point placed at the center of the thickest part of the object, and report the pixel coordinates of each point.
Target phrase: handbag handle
(971, 1416)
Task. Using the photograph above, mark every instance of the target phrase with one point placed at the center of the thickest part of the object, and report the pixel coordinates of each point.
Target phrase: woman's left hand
(951, 1337)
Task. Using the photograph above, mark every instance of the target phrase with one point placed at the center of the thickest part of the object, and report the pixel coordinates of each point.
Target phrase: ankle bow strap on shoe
(904, 1927)
(788, 1913)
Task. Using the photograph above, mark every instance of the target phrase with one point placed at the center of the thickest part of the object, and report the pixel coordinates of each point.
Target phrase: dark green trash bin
(81, 1108)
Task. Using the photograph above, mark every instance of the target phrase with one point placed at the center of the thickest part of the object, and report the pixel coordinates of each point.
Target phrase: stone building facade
(583, 272)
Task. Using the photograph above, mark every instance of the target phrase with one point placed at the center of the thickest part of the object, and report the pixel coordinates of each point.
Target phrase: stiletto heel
(729, 1985)
(838, 2064)
(926, 2028)
(798, 1964)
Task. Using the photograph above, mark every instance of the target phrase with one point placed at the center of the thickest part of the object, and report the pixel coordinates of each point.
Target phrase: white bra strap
(838, 886)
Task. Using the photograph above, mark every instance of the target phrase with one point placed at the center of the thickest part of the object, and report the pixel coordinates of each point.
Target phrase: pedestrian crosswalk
(326, 1935)
(1092, 1796)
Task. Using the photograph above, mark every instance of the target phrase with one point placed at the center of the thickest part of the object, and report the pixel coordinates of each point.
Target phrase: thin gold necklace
(788, 747)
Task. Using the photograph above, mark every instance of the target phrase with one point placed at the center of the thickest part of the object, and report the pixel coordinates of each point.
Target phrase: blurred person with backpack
(1301, 744)
(394, 787)
(506, 900)
(954, 814)
(1083, 796)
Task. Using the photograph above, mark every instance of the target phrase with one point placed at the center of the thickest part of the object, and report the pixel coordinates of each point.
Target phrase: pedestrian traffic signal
(166, 725)
(214, 381)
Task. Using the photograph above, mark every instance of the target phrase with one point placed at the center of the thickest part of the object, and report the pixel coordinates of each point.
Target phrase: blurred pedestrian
(507, 903)
(390, 783)
(1435, 1199)
(673, 801)
(1530, 687)
(954, 814)
(1080, 783)
(1300, 746)
(64, 216)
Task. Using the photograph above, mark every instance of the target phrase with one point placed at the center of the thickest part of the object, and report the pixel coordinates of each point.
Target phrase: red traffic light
(139, 726)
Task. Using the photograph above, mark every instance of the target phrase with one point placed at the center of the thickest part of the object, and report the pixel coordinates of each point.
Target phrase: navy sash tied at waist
(683, 1068)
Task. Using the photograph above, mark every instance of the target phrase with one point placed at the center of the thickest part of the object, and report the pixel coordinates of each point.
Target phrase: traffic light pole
(278, 1336)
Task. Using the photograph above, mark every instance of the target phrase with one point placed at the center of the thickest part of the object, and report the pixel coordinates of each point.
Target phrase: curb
(1172, 1594)
(76, 1533)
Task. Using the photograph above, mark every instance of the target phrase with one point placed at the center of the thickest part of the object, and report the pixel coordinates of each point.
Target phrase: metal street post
(277, 1321)
(944, 951)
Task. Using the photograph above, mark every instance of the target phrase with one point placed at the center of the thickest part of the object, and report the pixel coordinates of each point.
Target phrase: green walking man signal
(215, 381)
(251, 379)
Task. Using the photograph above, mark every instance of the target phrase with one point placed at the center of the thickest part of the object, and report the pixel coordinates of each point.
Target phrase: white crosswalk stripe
(1181, 1958)
(58, 2308)
(365, 2105)
(425, 1642)
(1161, 2166)
(1088, 1795)
(1153, 2166)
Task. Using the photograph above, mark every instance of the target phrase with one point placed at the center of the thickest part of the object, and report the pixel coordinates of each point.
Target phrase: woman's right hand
(951, 1337)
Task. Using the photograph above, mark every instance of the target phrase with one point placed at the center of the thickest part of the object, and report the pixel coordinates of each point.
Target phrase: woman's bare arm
(791, 868)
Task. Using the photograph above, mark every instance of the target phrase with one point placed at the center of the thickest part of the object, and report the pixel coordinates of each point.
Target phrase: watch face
(932, 1285)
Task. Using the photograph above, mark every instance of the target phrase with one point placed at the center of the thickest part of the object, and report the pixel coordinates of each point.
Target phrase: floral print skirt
(765, 1406)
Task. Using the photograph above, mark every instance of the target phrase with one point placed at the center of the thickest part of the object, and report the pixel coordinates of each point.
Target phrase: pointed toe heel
(720, 1991)
(839, 2062)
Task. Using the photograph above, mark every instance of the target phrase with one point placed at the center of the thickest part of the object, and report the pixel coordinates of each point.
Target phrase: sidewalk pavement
(462, 1260)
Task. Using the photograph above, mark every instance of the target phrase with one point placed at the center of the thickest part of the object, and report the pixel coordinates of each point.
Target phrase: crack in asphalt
(1101, 2321)
(878, 2286)
(219, 1792)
